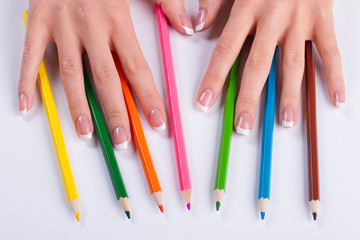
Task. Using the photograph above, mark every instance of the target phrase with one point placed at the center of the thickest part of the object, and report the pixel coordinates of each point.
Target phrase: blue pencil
(267, 138)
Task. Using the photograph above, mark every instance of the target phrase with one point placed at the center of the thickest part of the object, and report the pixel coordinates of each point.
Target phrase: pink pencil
(173, 101)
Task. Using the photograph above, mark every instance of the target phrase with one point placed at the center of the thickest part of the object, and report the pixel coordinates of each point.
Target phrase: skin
(288, 23)
(99, 27)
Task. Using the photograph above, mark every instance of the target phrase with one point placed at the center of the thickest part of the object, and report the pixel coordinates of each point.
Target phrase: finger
(71, 73)
(224, 55)
(139, 75)
(176, 13)
(255, 73)
(108, 86)
(208, 9)
(293, 71)
(325, 40)
(37, 37)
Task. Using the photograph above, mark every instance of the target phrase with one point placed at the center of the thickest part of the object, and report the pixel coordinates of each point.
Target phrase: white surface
(32, 199)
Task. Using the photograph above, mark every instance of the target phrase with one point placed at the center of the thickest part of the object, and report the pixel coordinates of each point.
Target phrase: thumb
(176, 13)
(208, 10)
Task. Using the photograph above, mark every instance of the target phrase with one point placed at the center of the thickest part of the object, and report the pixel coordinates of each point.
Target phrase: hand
(97, 27)
(288, 23)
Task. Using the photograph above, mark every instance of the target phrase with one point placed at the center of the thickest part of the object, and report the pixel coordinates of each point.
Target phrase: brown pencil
(314, 195)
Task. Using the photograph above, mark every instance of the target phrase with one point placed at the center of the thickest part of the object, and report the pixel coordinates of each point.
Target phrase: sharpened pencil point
(217, 205)
(314, 215)
(78, 217)
(188, 206)
(161, 208)
(127, 214)
(262, 215)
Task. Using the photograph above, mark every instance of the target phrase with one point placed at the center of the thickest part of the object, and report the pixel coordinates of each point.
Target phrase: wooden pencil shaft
(104, 140)
(138, 133)
(173, 101)
(267, 132)
(227, 127)
(313, 171)
(55, 129)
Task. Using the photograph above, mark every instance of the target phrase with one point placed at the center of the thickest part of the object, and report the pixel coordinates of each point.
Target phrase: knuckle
(103, 72)
(76, 106)
(289, 95)
(69, 67)
(116, 9)
(212, 78)
(294, 60)
(258, 62)
(248, 101)
(115, 115)
(148, 99)
(332, 52)
(136, 65)
(28, 53)
(226, 46)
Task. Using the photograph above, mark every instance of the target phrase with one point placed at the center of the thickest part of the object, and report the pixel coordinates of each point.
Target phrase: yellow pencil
(57, 137)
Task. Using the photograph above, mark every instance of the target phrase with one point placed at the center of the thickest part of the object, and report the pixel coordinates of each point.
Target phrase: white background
(32, 199)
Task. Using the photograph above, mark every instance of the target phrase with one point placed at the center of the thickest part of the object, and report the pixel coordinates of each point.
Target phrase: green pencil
(226, 132)
(106, 146)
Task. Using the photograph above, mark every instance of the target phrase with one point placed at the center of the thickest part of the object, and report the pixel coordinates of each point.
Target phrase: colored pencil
(140, 140)
(106, 146)
(174, 108)
(267, 139)
(226, 132)
(57, 137)
(314, 194)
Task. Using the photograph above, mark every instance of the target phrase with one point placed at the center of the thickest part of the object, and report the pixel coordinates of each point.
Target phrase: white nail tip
(121, 146)
(23, 112)
(199, 27)
(86, 136)
(202, 107)
(242, 131)
(287, 124)
(162, 127)
(188, 31)
(340, 104)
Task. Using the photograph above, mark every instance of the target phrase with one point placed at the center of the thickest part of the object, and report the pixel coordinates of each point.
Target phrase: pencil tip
(217, 205)
(188, 206)
(127, 214)
(161, 208)
(314, 215)
(78, 217)
(262, 215)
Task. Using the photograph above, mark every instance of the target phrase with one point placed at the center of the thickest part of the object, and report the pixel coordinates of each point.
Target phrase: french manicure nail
(187, 25)
(119, 138)
(288, 117)
(23, 104)
(204, 101)
(83, 126)
(156, 120)
(339, 98)
(200, 20)
(244, 124)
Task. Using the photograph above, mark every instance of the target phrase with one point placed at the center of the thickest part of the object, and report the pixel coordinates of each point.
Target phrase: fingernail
(119, 138)
(187, 25)
(156, 120)
(288, 117)
(339, 98)
(23, 104)
(83, 126)
(244, 124)
(200, 20)
(203, 103)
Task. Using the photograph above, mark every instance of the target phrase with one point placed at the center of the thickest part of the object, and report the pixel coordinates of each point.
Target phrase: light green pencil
(226, 132)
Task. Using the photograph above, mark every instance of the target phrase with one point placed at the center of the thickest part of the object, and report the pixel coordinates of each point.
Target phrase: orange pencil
(139, 138)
